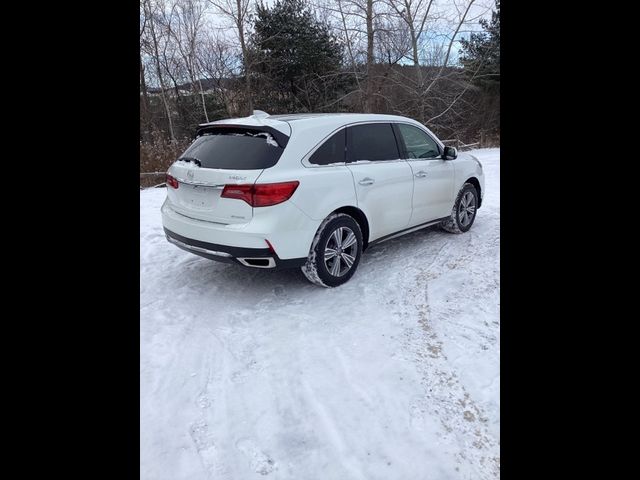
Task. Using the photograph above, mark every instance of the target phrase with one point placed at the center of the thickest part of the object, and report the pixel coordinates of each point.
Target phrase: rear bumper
(248, 257)
(285, 227)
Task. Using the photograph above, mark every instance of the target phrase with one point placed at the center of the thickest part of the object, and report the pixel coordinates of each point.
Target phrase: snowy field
(257, 374)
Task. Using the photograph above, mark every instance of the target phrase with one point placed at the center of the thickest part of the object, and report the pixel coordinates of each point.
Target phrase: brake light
(172, 182)
(241, 192)
(261, 195)
(273, 193)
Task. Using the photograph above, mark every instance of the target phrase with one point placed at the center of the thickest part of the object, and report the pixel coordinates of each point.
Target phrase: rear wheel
(335, 251)
(464, 210)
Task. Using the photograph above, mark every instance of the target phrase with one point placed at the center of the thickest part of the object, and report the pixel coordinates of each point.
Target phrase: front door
(433, 177)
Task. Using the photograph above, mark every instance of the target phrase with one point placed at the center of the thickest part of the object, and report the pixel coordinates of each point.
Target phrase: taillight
(241, 192)
(261, 195)
(172, 182)
(273, 193)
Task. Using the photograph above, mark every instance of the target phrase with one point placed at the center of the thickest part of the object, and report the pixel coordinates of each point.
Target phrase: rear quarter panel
(294, 223)
(321, 191)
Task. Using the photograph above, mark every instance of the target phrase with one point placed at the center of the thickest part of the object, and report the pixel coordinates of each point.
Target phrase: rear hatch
(222, 155)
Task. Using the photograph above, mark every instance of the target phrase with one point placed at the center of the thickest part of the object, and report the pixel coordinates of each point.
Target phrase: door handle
(367, 181)
(421, 174)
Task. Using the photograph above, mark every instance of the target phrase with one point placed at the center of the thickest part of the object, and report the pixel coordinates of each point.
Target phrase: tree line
(437, 61)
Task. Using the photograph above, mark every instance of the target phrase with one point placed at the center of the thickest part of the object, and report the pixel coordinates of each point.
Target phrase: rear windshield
(235, 151)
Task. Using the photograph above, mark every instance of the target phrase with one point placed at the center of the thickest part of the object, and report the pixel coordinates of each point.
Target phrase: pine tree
(481, 53)
(298, 58)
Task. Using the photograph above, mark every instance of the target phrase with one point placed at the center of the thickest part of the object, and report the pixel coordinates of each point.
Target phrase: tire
(334, 232)
(464, 210)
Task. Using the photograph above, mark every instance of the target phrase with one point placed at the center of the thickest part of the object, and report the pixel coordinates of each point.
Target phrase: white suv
(314, 190)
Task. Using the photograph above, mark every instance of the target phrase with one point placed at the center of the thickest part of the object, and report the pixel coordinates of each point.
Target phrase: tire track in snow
(445, 397)
(237, 364)
(207, 403)
(333, 432)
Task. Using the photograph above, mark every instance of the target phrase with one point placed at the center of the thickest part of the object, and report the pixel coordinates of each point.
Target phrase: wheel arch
(476, 183)
(359, 216)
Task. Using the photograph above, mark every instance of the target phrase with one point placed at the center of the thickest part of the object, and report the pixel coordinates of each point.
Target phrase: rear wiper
(190, 159)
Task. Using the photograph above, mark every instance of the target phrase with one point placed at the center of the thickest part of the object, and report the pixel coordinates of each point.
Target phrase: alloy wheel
(340, 251)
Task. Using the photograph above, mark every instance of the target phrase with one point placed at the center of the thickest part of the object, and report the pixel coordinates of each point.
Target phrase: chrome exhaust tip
(258, 262)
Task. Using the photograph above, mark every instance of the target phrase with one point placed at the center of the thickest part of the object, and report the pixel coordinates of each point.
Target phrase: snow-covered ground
(395, 375)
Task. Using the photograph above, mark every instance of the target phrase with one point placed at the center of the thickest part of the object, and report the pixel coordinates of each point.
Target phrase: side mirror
(450, 153)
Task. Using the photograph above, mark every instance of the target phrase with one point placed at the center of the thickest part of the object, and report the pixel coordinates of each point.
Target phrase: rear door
(383, 181)
(433, 176)
(216, 159)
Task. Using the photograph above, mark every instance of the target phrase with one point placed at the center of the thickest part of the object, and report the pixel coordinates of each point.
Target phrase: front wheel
(464, 210)
(335, 251)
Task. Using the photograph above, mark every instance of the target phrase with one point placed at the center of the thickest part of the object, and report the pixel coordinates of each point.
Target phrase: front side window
(373, 142)
(418, 143)
(331, 151)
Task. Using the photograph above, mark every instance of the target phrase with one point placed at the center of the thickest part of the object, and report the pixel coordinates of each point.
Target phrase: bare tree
(368, 103)
(452, 39)
(186, 33)
(237, 11)
(414, 14)
(433, 86)
(217, 57)
(144, 113)
(399, 56)
(151, 19)
(352, 16)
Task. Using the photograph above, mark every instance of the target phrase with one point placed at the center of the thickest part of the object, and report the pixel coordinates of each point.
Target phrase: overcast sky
(440, 32)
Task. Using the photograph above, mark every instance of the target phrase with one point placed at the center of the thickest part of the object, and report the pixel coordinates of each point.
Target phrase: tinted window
(331, 151)
(375, 141)
(236, 151)
(418, 143)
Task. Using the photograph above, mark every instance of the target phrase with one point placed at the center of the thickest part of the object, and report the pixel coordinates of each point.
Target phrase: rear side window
(372, 142)
(235, 151)
(331, 151)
